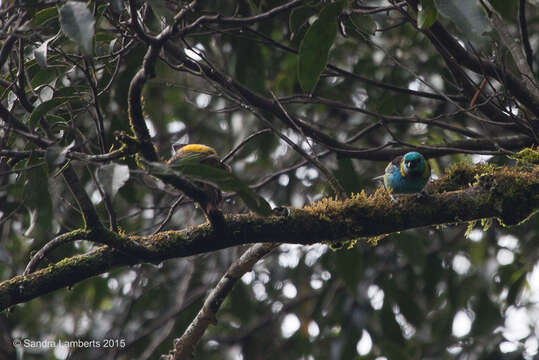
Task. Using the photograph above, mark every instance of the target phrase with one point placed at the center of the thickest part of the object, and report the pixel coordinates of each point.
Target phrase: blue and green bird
(407, 174)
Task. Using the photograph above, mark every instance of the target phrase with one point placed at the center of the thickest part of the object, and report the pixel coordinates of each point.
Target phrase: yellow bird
(207, 156)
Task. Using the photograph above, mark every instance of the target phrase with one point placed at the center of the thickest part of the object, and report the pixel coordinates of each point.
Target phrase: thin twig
(53, 244)
(243, 143)
(169, 214)
(332, 180)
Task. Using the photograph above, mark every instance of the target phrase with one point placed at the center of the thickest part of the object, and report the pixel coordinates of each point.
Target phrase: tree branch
(361, 78)
(524, 36)
(252, 98)
(467, 146)
(481, 66)
(134, 100)
(513, 45)
(185, 345)
(511, 195)
(230, 20)
(265, 104)
(53, 244)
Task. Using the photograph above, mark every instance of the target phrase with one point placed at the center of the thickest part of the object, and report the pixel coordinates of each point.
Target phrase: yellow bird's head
(202, 153)
(196, 149)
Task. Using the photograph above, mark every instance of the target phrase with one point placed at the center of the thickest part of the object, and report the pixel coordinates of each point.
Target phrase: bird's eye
(412, 163)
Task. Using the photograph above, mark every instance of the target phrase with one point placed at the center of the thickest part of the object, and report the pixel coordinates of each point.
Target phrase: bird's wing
(389, 168)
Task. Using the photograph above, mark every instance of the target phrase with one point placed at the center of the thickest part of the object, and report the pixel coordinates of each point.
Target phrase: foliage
(297, 95)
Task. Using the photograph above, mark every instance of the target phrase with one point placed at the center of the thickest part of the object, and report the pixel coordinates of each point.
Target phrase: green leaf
(433, 273)
(392, 330)
(61, 96)
(43, 109)
(427, 14)
(407, 304)
(413, 248)
(37, 200)
(348, 266)
(299, 17)
(250, 65)
(508, 9)
(394, 351)
(43, 76)
(112, 177)
(477, 252)
(487, 314)
(347, 175)
(161, 10)
(117, 5)
(515, 288)
(43, 16)
(314, 48)
(360, 25)
(468, 15)
(409, 308)
(78, 24)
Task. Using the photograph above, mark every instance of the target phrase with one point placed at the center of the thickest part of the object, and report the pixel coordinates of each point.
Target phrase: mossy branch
(466, 193)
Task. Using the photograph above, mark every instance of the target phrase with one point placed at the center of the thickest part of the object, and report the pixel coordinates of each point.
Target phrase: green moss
(517, 190)
(471, 225)
(527, 156)
(486, 223)
(373, 240)
(460, 176)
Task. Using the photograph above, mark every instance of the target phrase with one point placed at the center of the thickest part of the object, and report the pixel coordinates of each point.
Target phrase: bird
(407, 174)
(205, 155)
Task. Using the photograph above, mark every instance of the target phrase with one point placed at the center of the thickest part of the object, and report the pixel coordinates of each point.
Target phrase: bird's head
(413, 163)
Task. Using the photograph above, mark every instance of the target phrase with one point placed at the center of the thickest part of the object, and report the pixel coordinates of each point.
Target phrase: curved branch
(524, 36)
(511, 195)
(231, 20)
(185, 345)
(53, 244)
(134, 100)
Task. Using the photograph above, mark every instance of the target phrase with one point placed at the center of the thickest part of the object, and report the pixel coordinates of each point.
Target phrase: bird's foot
(422, 195)
(281, 211)
(394, 199)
